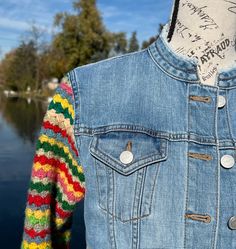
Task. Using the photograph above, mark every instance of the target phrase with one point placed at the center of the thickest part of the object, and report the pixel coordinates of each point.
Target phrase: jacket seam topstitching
(229, 118)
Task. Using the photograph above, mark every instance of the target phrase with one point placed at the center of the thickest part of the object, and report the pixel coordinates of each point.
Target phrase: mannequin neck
(206, 30)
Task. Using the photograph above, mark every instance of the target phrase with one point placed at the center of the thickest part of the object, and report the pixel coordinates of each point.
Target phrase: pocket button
(126, 156)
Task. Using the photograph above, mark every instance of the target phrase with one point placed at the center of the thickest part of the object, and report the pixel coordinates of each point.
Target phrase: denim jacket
(158, 151)
(158, 154)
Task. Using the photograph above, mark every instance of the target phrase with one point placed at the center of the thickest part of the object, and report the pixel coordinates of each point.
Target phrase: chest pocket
(126, 183)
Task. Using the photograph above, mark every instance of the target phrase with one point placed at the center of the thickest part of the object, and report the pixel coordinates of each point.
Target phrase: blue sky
(143, 16)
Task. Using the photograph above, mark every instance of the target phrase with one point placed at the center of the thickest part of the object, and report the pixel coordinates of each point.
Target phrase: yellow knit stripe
(57, 98)
(47, 167)
(53, 141)
(69, 186)
(67, 235)
(37, 213)
(59, 221)
(44, 245)
(33, 245)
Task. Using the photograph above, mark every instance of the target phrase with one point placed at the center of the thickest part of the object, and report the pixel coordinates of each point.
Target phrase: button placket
(227, 161)
(232, 223)
(221, 101)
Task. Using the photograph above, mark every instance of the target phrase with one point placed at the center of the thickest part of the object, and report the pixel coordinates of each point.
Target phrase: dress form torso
(206, 30)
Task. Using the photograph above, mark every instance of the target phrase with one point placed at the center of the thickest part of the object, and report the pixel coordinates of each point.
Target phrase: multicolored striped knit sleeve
(57, 181)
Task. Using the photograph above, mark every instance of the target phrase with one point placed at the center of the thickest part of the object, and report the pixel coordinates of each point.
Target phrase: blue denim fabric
(175, 194)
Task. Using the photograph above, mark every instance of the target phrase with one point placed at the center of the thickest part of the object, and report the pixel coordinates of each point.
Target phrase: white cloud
(16, 17)
(13, 24)
(109, 11)
(19, 25)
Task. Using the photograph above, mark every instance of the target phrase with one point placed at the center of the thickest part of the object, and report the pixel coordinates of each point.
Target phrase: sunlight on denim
(174, 186)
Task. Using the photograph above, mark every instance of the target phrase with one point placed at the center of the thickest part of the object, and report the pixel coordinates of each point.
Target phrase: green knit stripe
(61, 153)
(40, 187)
(42, 222)
(59, 109)
(64, 204)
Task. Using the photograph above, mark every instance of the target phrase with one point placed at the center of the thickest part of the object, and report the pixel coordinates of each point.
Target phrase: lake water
(20, 122)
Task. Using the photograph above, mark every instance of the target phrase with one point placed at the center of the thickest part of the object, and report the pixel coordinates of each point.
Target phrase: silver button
(221, 101)
(232, 223)
(227, 161)
(126, 156)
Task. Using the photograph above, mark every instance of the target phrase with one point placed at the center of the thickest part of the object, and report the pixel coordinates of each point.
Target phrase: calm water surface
(20, 122)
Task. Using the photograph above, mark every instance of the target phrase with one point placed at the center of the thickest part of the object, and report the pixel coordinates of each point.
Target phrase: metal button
(227, 161)
(232, 223)
(221, 101)
(126, 156)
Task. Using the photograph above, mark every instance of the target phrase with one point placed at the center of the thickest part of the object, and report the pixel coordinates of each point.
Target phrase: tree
(83, 37)
(133, 43)
(5, 66)
(145, 44)
(24, 66)
(20, 67)
(36, 35)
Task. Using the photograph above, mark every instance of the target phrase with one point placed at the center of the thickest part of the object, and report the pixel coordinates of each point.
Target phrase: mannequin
(204, 30)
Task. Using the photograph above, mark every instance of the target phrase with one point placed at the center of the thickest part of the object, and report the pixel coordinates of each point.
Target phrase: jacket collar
(182, 67)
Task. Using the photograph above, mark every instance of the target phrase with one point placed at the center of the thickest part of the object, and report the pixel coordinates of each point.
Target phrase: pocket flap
(146, 149)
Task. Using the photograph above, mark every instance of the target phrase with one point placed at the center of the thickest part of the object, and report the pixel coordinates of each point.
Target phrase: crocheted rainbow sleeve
(57, 181)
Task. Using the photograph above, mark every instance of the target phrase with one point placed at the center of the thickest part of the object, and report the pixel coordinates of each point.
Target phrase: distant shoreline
(32, 94)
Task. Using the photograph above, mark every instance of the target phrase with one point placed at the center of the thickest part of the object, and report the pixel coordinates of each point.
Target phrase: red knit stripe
(67, 89)
(39, 200)
(62, 166)
(32, 233)
(51, 176)
(62, 213)
(57, 129)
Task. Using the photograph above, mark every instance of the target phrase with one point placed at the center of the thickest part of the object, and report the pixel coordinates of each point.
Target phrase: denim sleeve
(57, 180)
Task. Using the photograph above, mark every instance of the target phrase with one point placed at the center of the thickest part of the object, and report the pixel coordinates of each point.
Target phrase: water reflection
(20, 122)
(23, 115)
